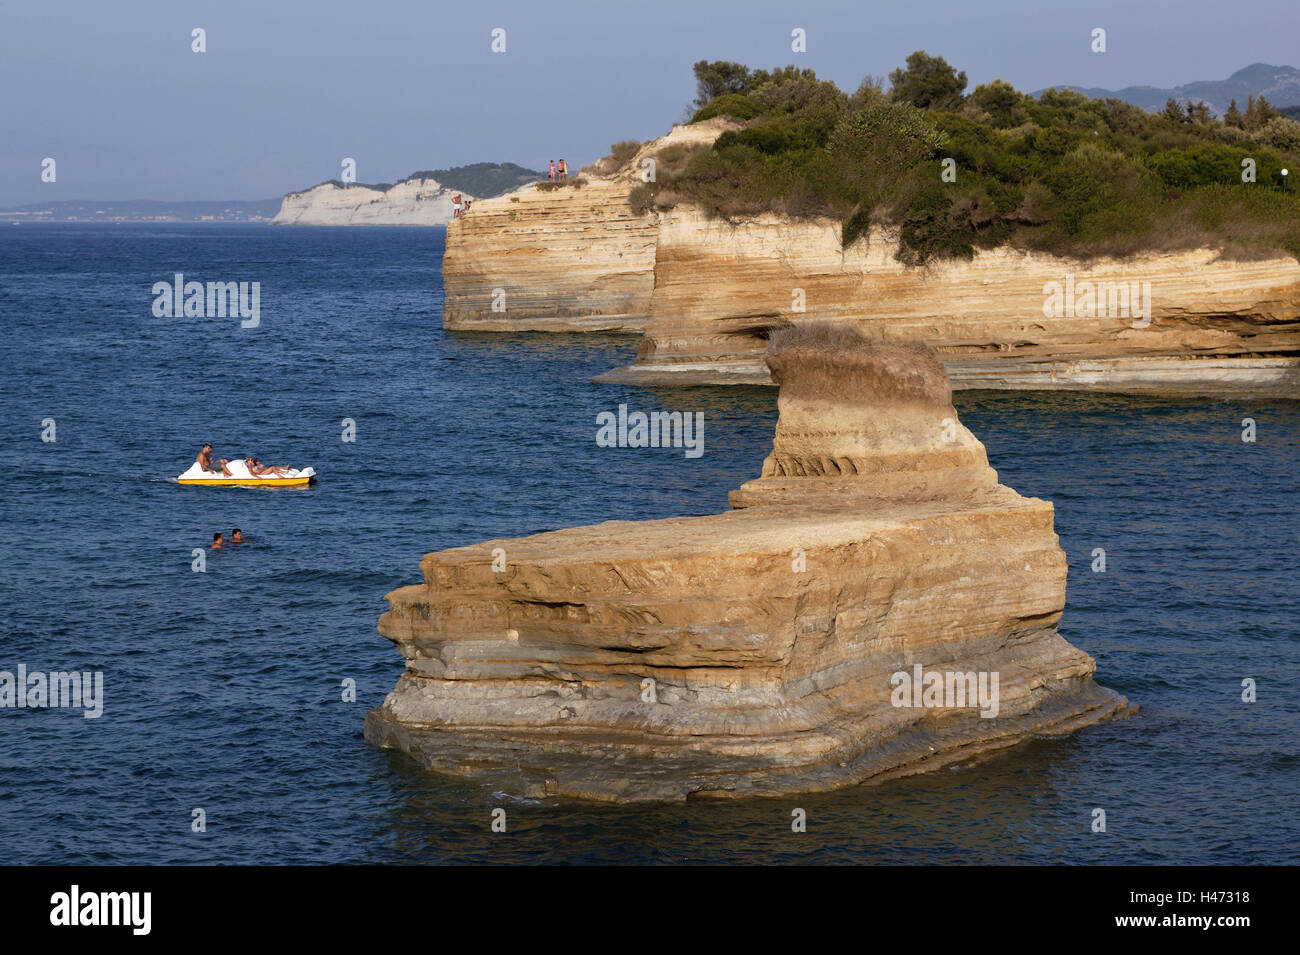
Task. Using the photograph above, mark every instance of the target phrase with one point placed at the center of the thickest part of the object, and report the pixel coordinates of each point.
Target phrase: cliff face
(1173, 321)
(573, 258)
(570, 259)
(762, 650)
(413, 202)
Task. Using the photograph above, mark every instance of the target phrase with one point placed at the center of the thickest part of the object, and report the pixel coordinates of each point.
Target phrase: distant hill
(1279, 84)
(144, 210)
(482, 179)
(424, 198)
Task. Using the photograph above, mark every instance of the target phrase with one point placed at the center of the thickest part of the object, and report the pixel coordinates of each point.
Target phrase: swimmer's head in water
(216, 538)
(236, 535)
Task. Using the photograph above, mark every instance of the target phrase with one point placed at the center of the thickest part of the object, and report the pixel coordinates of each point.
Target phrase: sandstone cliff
(571, 258)
(756, 651)
(706, 293)
(1178, 321)
(423, 202)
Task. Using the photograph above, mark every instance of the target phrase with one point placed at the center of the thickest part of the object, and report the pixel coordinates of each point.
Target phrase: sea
(235, 681)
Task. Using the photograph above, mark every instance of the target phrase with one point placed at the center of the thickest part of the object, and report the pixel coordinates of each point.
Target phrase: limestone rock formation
(758, 651)
(424, 202)
(566, 259)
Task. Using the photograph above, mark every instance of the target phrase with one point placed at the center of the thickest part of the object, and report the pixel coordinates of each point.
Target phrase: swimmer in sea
(236, 536)
(218, 541)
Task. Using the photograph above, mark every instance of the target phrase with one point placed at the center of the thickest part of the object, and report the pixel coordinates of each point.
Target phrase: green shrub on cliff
(735, 105)
(949, 173)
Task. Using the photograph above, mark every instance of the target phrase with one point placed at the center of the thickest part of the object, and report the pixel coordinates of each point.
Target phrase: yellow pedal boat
(242, 477)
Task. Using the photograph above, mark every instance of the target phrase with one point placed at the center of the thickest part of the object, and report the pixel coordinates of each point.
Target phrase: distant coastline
(419, 199)
(143, 210)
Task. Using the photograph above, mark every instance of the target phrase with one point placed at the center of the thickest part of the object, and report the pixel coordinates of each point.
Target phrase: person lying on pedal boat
(256, 467)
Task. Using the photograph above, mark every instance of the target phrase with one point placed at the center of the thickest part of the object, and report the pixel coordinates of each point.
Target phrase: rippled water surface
(223, 687)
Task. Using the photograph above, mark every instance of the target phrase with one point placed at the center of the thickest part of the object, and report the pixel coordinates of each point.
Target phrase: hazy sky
(287, 89)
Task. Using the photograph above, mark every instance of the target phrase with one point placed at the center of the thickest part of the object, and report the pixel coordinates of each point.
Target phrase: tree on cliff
(1001, 101)
(927, 81)
(719, 77)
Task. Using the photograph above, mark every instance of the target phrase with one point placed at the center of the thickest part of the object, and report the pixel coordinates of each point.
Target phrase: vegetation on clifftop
(1059, 173)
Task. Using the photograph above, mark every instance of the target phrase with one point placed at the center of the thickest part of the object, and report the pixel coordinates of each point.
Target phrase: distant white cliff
(412, 202)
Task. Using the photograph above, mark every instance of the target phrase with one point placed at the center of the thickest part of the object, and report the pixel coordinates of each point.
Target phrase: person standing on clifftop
(564, 171)
(552, 170)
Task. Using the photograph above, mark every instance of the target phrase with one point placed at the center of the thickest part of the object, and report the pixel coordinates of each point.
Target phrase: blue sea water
(223, 688)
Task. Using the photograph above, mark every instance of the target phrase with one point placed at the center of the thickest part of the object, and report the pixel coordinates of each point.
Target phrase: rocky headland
(763, 650)
(424, 202)
(706, 292)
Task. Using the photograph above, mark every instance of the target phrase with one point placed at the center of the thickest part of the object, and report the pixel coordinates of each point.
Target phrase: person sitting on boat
(256, 467)
(204, 458)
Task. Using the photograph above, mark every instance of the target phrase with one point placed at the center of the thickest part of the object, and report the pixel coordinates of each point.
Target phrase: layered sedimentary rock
(423, 202)
(1180, 321)
(572, 258)
(757, 651)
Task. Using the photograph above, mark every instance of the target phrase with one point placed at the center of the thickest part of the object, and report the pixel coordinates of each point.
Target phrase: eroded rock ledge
(876, 538)
(1208, 325)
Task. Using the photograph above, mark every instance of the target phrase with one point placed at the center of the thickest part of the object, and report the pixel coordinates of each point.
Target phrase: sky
(287, 89)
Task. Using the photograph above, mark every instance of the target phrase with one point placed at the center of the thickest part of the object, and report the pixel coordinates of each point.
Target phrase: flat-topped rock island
(758, 651)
